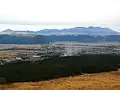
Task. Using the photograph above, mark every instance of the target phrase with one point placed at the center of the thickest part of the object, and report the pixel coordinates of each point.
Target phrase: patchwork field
(98, 81)
(7, 51)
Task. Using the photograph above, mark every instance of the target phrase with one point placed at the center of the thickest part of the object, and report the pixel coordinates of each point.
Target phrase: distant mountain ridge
(9, 31)
(71, 31)
(77, 34)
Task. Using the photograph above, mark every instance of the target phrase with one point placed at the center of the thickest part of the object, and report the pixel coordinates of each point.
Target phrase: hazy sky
(39, 14)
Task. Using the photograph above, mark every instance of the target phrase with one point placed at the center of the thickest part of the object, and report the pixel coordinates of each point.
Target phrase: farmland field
(8, 51)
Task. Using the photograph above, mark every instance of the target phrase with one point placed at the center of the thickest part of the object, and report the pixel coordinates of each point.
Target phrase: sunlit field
(98, 81)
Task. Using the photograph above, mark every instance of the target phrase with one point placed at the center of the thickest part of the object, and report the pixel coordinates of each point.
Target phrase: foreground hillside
(98, 81)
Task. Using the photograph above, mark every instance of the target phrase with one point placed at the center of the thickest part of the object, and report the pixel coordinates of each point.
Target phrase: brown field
(98, 81)
(4, 54)
(13, 53)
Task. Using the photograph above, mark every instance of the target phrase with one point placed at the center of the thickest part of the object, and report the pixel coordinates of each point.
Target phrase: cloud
(56, 12)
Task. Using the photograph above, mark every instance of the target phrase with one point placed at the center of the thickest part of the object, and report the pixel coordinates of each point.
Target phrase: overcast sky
(40, 14)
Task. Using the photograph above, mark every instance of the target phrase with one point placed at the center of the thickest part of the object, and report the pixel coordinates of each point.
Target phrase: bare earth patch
(98, 81)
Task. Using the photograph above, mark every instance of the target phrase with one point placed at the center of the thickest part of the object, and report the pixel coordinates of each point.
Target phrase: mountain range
(71, 31)
(77, 34)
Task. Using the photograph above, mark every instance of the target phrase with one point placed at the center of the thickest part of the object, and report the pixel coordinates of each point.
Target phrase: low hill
(56, 67)
(41, 39)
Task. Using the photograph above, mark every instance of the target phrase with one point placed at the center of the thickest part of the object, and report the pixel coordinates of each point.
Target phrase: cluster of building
(48, 51)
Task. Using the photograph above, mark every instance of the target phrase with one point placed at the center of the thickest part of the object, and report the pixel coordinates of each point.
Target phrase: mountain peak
(8, 30)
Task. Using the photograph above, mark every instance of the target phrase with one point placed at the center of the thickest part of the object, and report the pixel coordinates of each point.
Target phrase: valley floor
(98, 81)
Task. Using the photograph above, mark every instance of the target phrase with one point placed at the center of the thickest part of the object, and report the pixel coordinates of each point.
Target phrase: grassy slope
(98, 81)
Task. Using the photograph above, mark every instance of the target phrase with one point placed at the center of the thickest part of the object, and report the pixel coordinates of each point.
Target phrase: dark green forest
(56, 67)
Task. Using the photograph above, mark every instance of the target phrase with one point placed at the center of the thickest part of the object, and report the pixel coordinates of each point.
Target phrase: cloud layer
(72, 12)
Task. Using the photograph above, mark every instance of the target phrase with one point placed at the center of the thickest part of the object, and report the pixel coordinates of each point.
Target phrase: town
(15, 53)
